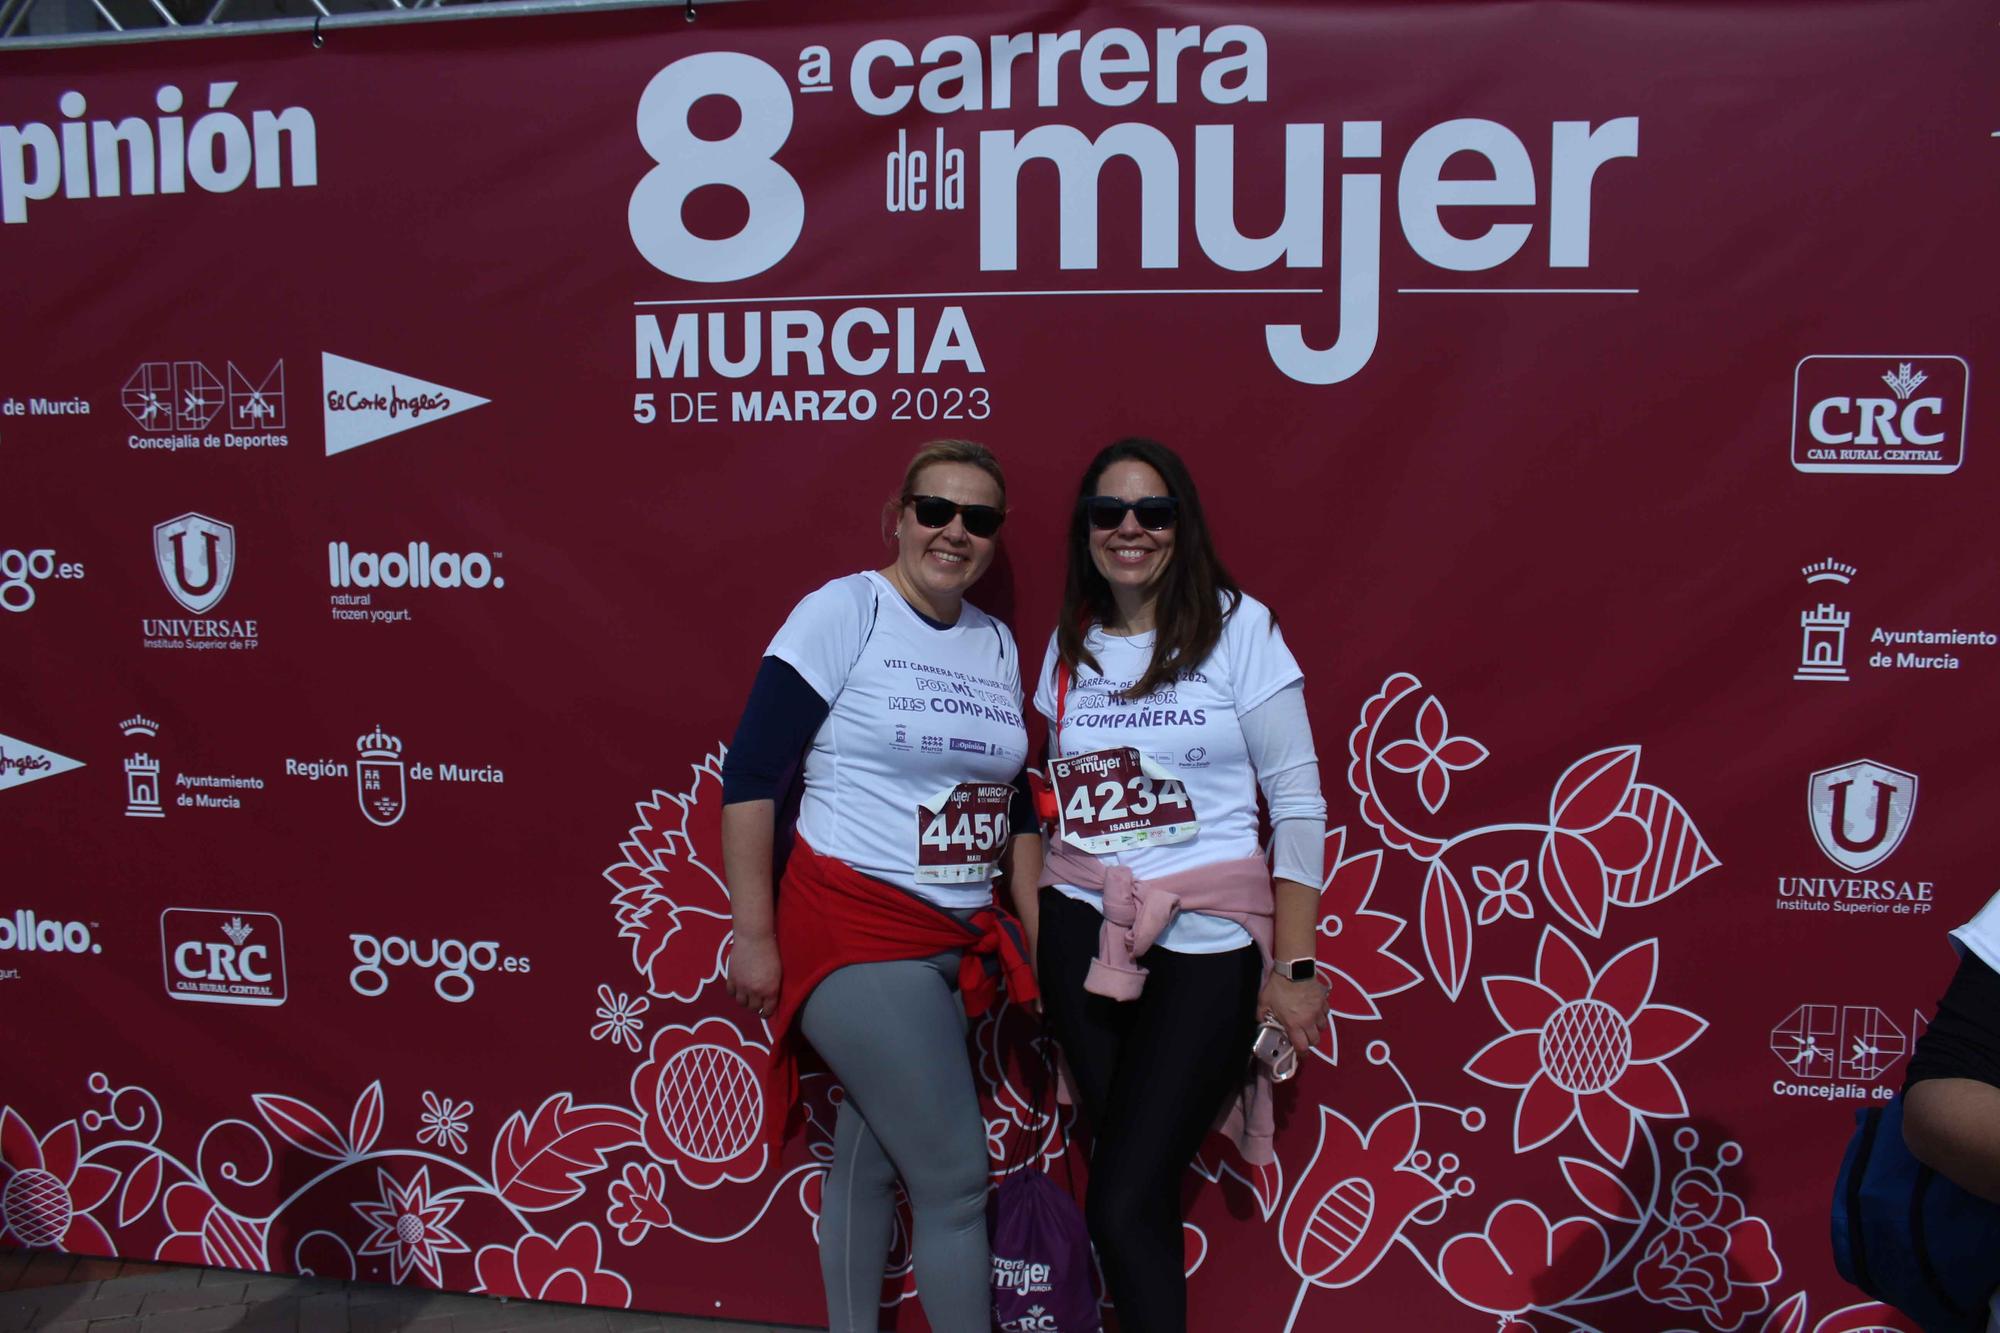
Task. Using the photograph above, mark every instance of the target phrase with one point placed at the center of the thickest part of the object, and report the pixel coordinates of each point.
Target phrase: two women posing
(1159, 932)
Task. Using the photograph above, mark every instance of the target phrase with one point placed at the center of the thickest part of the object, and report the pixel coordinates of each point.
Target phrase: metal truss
(45, 23)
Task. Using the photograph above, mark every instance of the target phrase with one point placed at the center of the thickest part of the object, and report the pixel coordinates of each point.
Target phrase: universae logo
(197, 558)
(1895, 414)
(1860, 811)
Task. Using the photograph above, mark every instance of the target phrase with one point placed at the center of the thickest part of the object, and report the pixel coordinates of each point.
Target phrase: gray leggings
(894, 1035)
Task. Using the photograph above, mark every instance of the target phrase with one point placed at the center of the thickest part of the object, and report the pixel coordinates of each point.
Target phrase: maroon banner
(411, 443)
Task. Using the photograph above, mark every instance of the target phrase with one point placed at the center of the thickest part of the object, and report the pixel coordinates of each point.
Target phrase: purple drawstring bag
(1041, 1248)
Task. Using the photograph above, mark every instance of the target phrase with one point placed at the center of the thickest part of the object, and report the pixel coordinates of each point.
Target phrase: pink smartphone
(1274, 1051)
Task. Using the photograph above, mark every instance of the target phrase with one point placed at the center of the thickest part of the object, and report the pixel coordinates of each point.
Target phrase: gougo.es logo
(456, 962)
(21, 570)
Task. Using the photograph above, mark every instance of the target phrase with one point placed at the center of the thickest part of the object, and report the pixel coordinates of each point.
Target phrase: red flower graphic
(1521, 1261)
(1591, 841)
(409, 1227)
(638, 1202)
(1353, 946)
(1713, 1258)
(47, 1191)
(1586, 1045)
(701, 1104)
(672, 907)
(1434, 755)
(204, 1232)
(1356, 1195)
(543, 1270)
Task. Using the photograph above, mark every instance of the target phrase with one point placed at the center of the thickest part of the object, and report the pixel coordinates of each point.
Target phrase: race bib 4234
(1112, 800)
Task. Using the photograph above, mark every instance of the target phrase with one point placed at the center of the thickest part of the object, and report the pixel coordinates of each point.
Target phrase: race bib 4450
(960, 833)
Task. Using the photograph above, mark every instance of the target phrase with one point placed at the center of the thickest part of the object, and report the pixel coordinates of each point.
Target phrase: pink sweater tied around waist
(1136, 911)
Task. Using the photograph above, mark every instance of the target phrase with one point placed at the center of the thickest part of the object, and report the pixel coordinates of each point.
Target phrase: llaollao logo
(25, 932)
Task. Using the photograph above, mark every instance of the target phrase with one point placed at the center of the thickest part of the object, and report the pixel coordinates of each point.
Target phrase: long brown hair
(1188, 611)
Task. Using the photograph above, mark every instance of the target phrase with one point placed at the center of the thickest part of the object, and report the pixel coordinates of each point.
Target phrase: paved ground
(59, 1293)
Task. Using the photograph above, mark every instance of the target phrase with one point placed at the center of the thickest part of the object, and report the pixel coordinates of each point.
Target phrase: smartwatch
(1295, 969)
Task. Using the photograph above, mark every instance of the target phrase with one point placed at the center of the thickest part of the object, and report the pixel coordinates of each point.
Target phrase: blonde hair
(970, 452)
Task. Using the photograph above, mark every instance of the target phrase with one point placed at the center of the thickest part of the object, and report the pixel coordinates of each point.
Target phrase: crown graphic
(378, 744)
(140, 763)
(236, 930)
(139, 725)
(1828, 570)
(1903, 381)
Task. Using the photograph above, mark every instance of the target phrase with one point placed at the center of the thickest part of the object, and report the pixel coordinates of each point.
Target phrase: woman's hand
(754, 973)
(1299, 1005)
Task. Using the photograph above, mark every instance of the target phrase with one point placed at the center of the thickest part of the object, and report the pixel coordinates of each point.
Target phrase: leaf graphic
(1601, 1192)
(1789, 1316)
(538, 1164)
(1219, 1159)
(1678, 856)
(1447, 929)
(1868, 1317)
(1591, 789)
(302, 1126)
(1573, 881)
(364, 1124)
(142, 1187)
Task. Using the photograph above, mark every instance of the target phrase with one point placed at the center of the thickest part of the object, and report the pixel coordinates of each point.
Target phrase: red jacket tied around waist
(831, 916)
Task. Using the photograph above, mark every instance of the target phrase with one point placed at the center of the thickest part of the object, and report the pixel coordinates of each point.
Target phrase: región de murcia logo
(382, 775)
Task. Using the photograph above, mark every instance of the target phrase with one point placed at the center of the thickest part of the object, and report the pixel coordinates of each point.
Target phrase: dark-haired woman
(904, 700)
(1172, 702)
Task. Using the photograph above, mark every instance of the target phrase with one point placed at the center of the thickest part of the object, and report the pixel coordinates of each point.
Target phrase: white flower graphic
(444, 1122)
(620, 1014)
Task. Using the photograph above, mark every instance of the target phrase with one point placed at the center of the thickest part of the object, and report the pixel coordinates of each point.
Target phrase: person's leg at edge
(857, 1219)
(1087, 1027)
(894, 1035)
(1183, 1057)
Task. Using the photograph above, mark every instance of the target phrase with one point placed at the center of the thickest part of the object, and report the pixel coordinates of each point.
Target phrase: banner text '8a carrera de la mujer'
(412, 441)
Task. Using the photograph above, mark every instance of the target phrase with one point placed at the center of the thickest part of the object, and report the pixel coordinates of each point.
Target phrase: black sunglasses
(934, 511)
(1154, 512)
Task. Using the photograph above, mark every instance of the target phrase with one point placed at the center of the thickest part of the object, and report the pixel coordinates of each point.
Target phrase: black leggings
(1152, 1075)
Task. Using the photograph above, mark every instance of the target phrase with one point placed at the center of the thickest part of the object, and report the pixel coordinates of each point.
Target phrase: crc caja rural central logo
(1893, 414)
(213, 957)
